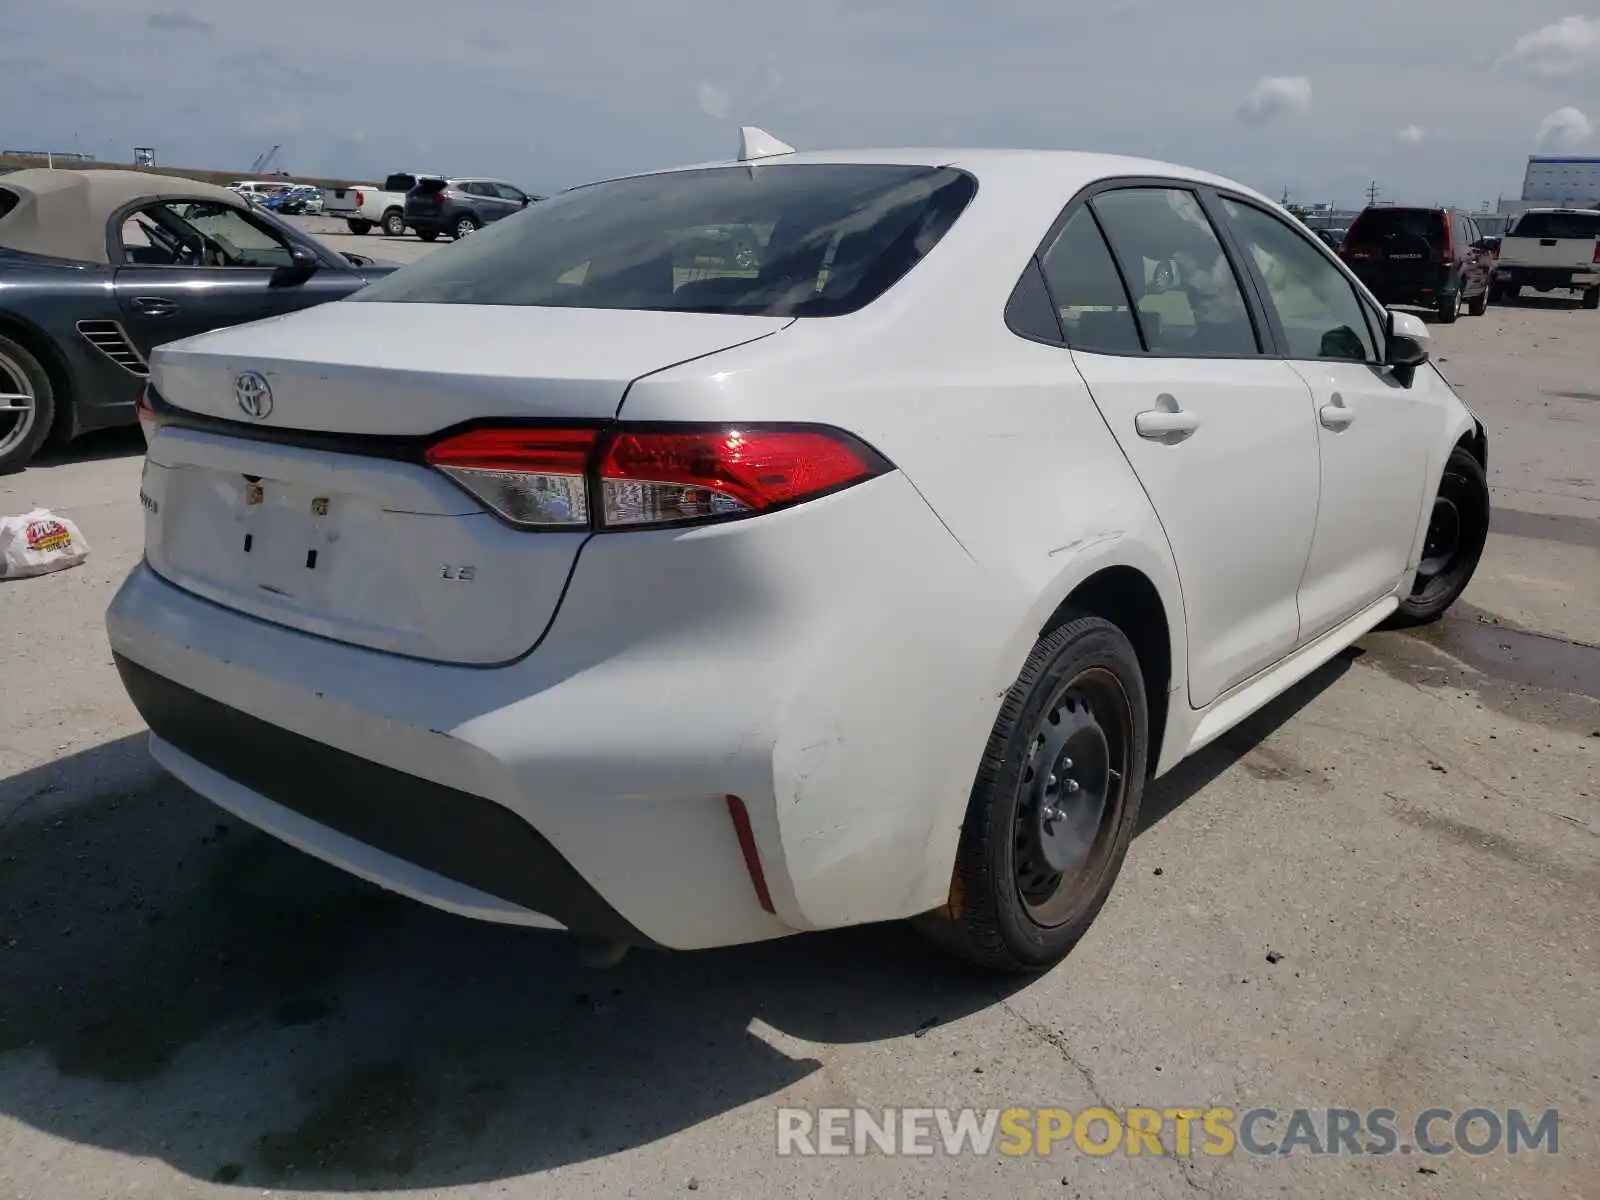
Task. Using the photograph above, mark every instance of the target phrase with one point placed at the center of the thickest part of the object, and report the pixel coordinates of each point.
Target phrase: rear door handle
(154, 306)
(1168, 423)
(1335, 414)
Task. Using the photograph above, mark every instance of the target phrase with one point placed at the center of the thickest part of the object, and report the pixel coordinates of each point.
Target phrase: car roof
(1590, 212)
(1063, 172)
(63, 213)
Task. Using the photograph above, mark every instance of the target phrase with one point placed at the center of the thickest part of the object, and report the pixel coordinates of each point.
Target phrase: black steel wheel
(1054, 805)
(1458, 526)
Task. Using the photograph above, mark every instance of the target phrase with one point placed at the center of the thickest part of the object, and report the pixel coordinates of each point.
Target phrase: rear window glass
(1375, 223)
(801, 240)
(8, 201)
(1557, 225)
(400, 183)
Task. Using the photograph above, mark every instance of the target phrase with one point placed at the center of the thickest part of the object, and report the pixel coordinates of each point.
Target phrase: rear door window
(802, 240)
(1557, 225)
(1185, 294)
(1088, 294)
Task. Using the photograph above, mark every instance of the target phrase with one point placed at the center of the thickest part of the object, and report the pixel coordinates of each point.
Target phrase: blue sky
(1437, 101)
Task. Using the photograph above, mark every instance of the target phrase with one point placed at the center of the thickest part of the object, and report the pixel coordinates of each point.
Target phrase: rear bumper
(1547, 278)
(1423, 289)
(832, 668)
(431, 222)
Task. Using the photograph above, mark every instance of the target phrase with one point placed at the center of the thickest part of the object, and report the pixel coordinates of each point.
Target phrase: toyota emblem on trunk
(254, 394)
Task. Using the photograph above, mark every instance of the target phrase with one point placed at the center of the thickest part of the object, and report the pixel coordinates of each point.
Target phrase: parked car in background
(259, 191)
(1333, 237)
(365, 206)
(461, 206)
(301, 200)
(1423, 257)
(558, 589)
(98, 268)
(1551, 249)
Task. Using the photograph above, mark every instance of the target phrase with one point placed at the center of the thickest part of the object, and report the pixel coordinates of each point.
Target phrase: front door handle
(154, 306)
(1335, 414)
(1168, 423)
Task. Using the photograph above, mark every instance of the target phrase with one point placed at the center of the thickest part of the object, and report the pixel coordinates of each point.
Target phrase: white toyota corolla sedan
(788, 543)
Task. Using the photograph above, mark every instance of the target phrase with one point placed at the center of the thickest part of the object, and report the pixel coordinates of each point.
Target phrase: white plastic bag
(38, 543)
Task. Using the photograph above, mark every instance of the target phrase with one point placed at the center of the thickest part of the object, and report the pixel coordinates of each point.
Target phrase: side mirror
(303, 263)
(1406, 346)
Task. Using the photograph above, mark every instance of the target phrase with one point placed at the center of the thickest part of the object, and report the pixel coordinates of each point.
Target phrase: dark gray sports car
(98, 267)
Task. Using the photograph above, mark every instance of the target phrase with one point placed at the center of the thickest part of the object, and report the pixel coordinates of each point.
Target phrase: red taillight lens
(658, 478)
(149, 422)
(1447, 254)
(1597, 252)
(649, 477)
(535, 478)
(361, 198)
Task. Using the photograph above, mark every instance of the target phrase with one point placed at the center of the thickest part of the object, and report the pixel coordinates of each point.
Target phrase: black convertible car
(99, 267)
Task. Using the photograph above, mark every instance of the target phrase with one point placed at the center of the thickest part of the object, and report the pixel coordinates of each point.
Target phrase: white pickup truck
(1550, 249)
(364, 205)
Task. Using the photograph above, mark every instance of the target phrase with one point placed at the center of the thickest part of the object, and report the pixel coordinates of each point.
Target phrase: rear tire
(359, 228)
(394, 223)
(1457, 530)
(1479, 304)
(1591, 298)
(1449, 308)
(27, 421)
(1054, 805)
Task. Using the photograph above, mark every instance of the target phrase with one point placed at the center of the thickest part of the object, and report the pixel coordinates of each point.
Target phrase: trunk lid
(335, 527)
(341, 200)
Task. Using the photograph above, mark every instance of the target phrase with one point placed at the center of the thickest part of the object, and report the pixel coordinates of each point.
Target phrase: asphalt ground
(1383, 891)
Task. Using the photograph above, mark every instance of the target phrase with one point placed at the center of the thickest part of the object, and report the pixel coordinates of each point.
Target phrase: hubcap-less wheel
(1072, 792)
(1441, 545)
(18, 405)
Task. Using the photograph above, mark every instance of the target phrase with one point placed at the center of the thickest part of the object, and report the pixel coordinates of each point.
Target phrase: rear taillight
(649, 476)
(1597, 252)
(535, 478)
(361, 197)
(149, 422)
(1447, 254)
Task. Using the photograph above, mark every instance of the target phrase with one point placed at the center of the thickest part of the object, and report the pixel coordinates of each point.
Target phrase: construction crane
(265, 161)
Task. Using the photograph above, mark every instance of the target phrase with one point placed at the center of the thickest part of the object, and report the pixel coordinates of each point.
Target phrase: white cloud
(1276, 96)
(1565, 129)
(1413, 135)
(714, 101)
(1568, 48)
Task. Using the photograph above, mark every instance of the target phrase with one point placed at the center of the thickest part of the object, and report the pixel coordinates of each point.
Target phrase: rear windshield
(426, 187)
(400, 183)
(1557, 225)
(8, 201)
(1377, 223)
(783, 240)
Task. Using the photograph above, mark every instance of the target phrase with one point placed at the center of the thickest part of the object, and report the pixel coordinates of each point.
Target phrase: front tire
(1054, 805)
(1457, 529)
(27, 406)
(394, 223)
(465, 227)
(359, 228)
